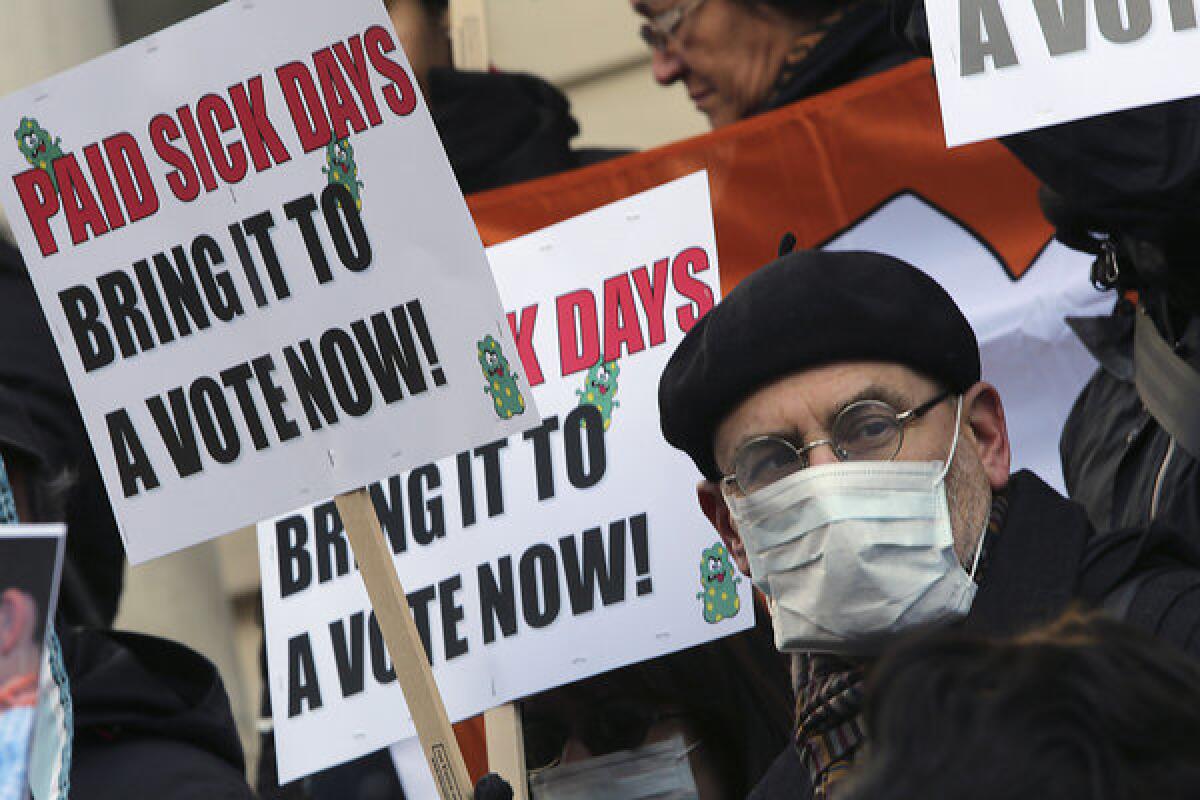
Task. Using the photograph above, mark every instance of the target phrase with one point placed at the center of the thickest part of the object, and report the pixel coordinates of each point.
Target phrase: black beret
(806, 309)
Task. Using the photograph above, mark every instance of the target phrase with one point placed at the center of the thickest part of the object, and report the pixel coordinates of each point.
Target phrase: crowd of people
(928, 622)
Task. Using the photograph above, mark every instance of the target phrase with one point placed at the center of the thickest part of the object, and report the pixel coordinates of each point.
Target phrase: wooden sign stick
(506, 747)
(404, 645)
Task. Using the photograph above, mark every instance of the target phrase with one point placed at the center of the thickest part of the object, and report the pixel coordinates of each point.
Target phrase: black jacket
(152, 720)
(503, 128)
(1047, 556)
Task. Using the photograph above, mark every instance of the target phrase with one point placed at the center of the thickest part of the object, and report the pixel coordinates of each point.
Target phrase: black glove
(493, 787)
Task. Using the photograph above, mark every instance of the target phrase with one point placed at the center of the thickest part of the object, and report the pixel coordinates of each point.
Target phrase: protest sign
(540, 558)
(30, 566)
(257, 266)
(1005, 66)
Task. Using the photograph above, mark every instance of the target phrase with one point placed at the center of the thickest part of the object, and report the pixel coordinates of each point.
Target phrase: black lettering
(490, 454)
(310, 385)
(452, 615)
(581, 474)
(92, 338)
(540, 598)
(214, 420)
(389, 507)
(544, 465)
(419, 602)
(349, 655)
(238, 378)
(497, 601)
(595, 569)
(132, 463)
(219, 288)
(176, 431)
(285, 426)
(291, 548)
(127, 320)
(329, 540)
(381, 660)
(302, 676)
(341, 213)
(300, 211)
(427, 515)
(345, 372)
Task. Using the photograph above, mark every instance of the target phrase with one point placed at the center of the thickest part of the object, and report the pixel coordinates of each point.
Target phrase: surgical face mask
(660, 771)
(854, 549)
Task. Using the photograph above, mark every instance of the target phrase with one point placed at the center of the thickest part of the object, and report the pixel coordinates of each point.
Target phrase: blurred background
(207, 596)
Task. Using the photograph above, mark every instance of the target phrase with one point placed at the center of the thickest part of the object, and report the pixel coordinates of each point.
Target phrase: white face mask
(854, 549)
(660, 771)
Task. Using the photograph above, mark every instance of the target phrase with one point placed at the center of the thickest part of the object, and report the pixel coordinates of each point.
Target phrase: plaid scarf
(829, 692)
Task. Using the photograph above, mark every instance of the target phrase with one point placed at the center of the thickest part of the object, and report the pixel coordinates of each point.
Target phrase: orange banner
(813, 168)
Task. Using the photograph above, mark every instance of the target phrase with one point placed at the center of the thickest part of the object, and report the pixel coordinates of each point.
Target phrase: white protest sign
(257, 266)
(1005, 66)
(538, 559)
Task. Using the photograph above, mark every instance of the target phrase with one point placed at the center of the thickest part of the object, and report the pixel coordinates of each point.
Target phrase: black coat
(152, 720)
(1047, 556)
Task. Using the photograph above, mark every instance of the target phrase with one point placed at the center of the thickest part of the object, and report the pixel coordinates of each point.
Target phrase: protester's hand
(493, 787)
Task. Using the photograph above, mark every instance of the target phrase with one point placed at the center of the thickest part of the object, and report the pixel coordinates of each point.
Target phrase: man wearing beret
(858, 470)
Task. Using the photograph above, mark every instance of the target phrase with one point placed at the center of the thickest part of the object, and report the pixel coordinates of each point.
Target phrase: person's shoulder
(1148, 576)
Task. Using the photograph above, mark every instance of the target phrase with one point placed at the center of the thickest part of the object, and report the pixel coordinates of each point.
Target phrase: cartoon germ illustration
(718, 580)
(501, 380)
(34, 143)
(600, 388)
(341, 168)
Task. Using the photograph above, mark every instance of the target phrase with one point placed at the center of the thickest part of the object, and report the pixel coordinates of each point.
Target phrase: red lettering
(683, 269)
(196, 145)
(260, 135)
(83, 211)
(215, 119)
(339, 99)
(183, 181)
(652, 291)
(578, 331)
(129, 168)
(354, 64)
(40, 201)
(304, 104)
(622, 327)
(523, 335)
(104, 187)
(399, 94)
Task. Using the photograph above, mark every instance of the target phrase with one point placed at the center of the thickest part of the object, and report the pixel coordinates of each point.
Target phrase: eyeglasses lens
(867, 431)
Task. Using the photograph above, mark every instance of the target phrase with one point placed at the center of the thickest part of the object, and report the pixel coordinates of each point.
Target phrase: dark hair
(1084, 707)
(27, 565)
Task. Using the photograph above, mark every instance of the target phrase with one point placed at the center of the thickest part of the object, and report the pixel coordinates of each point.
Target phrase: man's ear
(712, 503)
(17, 612)
(983, 413)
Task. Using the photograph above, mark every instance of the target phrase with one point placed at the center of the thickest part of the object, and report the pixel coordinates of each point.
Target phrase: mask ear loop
(978, 550)
(953, 442)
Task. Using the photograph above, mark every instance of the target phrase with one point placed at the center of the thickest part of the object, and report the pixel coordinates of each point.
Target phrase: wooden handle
(404, 645)
(506, 747)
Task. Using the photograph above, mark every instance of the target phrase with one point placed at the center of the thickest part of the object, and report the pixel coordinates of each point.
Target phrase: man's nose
(666, 65)
(822, 454)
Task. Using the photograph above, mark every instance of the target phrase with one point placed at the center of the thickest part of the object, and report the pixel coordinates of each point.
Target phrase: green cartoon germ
(718, 580)
(501, 380)
(600, 388)
(340, 167)
(34, 143)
